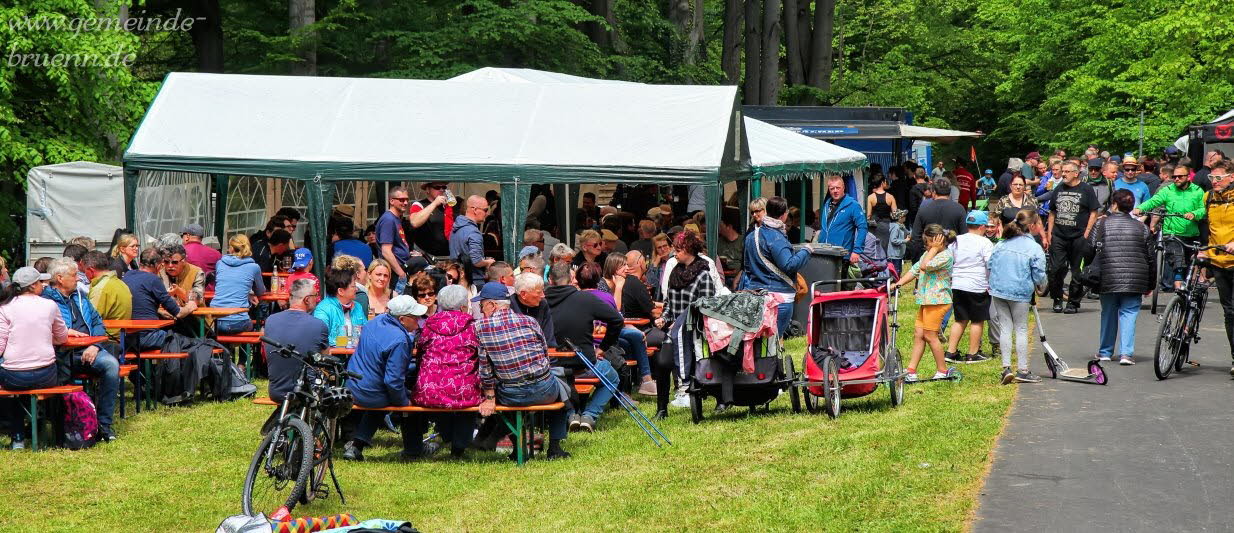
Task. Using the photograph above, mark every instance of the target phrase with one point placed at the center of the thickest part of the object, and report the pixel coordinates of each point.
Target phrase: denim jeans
(635, 345)
(10, 408)
(232, 328)
(601, 396)
(107, 367)
(153, 339)
(1118, 314)
(545, 391)
(784, 315)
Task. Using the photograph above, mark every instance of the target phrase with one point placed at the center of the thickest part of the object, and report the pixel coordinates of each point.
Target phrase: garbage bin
(826, 262)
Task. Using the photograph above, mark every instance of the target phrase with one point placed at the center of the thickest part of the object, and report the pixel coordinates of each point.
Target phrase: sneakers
(587, 423)
(648, 388)
(1232, 371)
(1058, 305)
(1071, 309)
(19, 441)
(353, 451)
(576, 421)
(940, 375)
(105, 435)
(1008, 375)
(722, 407)
(1104, 358)
(427, 451)
(682, 399)
(1126, 360)
(967, 359)
(952, 357)
(1024, 376)
(910, 377)
(390, 425)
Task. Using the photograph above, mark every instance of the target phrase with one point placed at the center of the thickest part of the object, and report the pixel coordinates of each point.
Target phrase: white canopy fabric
(350, 128)
(774, 151)
(66, 200)
(934, 134)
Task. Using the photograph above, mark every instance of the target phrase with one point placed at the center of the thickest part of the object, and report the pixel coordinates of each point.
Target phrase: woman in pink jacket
(447, 352)
(30, 327)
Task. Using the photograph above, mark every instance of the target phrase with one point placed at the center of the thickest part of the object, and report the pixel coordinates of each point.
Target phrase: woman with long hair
(933, 298)
(1019, 198)
(124, 254)
(378, 286)
(237, 278)
(1017, 268)
(689, 281)
(880, 204)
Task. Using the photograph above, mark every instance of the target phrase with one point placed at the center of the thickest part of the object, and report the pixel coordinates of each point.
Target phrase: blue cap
(989, 172)
(527, 250)
(493, 290)
(303, 256)
(977, 218)
(1171, 149)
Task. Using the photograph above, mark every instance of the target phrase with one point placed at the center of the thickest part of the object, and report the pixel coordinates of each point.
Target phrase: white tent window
(246, 205)
(166, 201)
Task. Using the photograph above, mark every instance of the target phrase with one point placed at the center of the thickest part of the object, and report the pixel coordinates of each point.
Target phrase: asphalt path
(1135, 455)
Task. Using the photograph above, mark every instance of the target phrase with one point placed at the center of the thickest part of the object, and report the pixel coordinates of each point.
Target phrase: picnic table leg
(518, 424)
(34, 423)
(147, 380)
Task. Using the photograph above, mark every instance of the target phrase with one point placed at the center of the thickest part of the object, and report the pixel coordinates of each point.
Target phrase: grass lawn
(917, 467)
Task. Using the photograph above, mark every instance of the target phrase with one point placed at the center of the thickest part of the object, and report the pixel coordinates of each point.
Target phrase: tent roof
(934, 134)
(354, 128)
(774, 152)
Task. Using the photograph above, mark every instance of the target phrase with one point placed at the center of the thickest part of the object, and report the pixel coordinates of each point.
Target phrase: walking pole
(640, 419)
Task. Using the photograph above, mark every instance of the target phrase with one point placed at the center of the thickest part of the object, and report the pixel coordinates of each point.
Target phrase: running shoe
(974, 358)
(1024, 376)
(1103, 358)
(1008, 375)
(911, 377)
(952, 357)
(941, 375)
(1126, 360)
(682, 399)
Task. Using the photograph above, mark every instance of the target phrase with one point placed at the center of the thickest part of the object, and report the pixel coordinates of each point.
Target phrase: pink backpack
(81, 421)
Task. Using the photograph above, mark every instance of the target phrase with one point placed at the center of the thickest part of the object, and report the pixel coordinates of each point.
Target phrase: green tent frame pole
(712, 211)
(131, 178)
(563, 214)
(743, 204)
(514, 197)
(320, 197)
(572, 194)
(756, 187)
(220, 208)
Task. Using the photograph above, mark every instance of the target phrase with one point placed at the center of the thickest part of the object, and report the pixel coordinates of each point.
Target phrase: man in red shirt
(967, 185)
(196, 253)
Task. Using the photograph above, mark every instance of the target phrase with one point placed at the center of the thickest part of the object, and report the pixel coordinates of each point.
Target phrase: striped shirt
(512, 350)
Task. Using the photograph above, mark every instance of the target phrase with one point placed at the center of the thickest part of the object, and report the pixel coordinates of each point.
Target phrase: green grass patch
(875, 468)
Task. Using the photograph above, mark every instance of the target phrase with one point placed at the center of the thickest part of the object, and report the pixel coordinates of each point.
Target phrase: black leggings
(1224, 279)
(662, 366)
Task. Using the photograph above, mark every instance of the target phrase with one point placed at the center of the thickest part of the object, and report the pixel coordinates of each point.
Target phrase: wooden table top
(339, 350)
(138, 325)
(219, 311)
(274, 297)
(271, 274)
(637, 322)
(78, 342)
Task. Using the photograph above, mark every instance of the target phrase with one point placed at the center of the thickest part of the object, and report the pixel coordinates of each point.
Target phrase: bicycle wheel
(323, 439)
(1157, 282)
(280, 469)
(1169, 337)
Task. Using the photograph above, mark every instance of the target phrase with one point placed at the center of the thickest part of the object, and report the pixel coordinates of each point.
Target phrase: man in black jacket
(529, 300)
(573, 313)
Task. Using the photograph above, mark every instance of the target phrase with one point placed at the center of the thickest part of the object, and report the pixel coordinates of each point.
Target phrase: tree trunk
(792, 43)
(687, 16)
(207, 34)
(606, 38)
(698, 30)
(769, 91)
(803, 33)
(820, 48)
(730, 55)
(837, 69)
(301, 14)
(754, 51)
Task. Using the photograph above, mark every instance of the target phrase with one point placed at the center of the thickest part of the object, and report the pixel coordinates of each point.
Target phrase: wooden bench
(519, 427)
(35, 395)
(245, 342)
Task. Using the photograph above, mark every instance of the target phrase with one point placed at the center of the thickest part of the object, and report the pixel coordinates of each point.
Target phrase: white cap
(404, 305)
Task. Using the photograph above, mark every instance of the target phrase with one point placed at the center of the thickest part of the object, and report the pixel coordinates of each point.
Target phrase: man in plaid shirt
(514, 365)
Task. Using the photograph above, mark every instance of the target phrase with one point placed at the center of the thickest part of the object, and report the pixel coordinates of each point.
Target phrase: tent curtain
(514, 199)
(220, 208)
(319, 196)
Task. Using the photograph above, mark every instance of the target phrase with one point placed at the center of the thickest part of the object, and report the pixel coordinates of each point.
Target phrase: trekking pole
(635, 414)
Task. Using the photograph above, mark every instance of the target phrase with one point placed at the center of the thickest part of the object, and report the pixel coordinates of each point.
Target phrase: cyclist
(1179, 197)
(1219, 203)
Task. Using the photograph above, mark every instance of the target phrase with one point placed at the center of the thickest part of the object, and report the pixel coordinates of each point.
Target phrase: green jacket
(1176, 202)
(111, 298)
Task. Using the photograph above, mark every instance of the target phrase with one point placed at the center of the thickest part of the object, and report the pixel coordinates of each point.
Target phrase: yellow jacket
(1220, 205)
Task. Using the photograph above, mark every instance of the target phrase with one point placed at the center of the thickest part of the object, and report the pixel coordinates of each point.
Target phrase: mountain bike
(290, 464)
(1159, 253)
(1180, 324)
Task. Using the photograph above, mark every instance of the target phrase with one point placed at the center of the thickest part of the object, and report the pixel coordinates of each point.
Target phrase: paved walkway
(1135, 455)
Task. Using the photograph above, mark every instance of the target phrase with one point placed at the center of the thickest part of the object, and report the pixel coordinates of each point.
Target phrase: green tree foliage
(65, 93)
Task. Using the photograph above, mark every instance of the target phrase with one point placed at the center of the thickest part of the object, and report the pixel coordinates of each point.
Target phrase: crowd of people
(434, 320)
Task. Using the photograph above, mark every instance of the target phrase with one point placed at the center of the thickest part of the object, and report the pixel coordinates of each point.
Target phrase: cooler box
(826, 262)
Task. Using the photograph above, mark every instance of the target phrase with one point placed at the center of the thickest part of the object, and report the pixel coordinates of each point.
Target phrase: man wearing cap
(1181, 197)
(302, 268)
(30, 327)
(514, 366)
(1014, 167)
(196, 253)
(1130, 180)
(432, 220)
(1029, 169)
(383, 360)
(80, 317)
(1073, 211)
(466, 241)
(392, 239)
(612, 243)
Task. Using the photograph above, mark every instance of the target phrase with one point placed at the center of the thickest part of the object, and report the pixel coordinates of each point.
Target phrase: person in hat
(345, 242)
(970, 289)
(1130, 180)
(611, 242)
(30, 327)
(196, 253)
(897, 238)
(383, 359)
(986, 184)
(515, 369)
(302, 268)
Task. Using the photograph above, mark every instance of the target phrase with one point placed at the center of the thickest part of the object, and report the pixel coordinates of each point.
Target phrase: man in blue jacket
(79, 315)
(770, 261)
(841, 221)
(467, 242)
(383, 359)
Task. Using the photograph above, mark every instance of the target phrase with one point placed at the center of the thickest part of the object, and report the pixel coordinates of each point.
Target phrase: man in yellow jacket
(1219, 203)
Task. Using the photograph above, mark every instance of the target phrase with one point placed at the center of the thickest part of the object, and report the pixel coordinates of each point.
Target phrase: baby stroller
(851, 347)
(720, 374)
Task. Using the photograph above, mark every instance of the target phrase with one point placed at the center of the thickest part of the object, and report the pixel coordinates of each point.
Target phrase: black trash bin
(826, 261)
